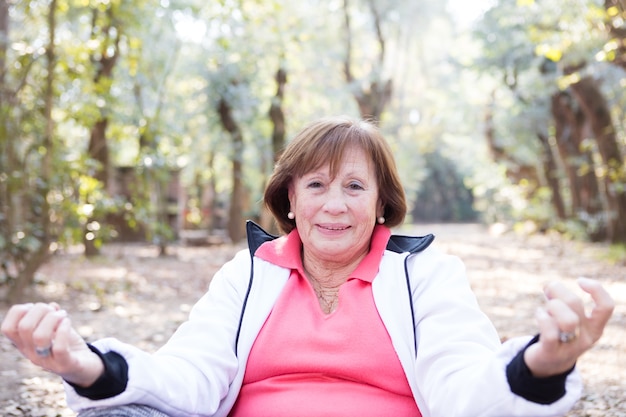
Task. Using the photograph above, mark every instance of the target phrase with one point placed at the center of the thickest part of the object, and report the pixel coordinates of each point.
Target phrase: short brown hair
(325, 141)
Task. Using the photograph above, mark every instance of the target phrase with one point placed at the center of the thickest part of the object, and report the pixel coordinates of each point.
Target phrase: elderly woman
(337, 317)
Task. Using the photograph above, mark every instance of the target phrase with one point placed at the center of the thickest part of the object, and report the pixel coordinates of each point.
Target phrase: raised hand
(566, 329)
(43, 334)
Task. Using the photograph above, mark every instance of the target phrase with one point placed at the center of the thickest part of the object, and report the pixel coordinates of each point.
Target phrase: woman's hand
(43, 334)
(566, 330)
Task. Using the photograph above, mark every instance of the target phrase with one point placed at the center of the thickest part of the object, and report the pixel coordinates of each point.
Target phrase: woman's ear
(290, 194)
(380, 209)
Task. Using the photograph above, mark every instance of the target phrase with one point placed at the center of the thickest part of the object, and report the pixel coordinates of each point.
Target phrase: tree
(545, 52)
(277, 117)
(236, 231)
(569, 128)
(551, 170)
(615, 48)
(151, 92)
(372, 93)
(596, 109)
(28, 246)
(106, 32)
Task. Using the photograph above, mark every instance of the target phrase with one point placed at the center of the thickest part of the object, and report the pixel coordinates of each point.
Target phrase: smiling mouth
(335, 228)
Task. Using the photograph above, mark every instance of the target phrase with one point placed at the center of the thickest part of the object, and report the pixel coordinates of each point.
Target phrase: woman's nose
(335, 200)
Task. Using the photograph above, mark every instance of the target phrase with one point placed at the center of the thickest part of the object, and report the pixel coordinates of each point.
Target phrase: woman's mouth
(333, 228)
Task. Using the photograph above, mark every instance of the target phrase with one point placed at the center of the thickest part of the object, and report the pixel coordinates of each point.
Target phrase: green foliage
(527, 47)
(178, 58)
(573, 229)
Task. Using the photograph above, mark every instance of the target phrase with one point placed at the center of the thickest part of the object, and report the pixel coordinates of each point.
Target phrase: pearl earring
(380, 220)
(291, 215)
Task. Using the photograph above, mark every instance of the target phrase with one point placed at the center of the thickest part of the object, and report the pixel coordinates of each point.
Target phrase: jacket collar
(397, 243)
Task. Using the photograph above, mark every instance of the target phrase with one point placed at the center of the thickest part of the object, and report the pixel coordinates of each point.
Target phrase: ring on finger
(43, 352)
(566, 337)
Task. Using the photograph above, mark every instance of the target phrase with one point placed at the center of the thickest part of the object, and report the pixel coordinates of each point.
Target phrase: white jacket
(457, 371)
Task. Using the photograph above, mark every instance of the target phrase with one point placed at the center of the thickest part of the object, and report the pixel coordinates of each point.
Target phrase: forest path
(132, 294)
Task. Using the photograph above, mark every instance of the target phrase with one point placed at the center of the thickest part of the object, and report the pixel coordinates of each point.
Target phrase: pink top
(307, 363)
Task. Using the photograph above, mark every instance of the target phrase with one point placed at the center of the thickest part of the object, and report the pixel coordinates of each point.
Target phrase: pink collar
(285, 251)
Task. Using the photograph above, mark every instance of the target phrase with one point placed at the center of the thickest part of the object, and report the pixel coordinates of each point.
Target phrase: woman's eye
(314, 184)
(355, 186)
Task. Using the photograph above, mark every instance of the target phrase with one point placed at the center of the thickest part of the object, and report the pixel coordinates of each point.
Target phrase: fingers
(561, 317)
(548, 328)
(557, 324)
(566, 316)
(603, 304)
(44, 335)
(566, 330)
(46, 332)
(557, 292)
(567, 311)
(32, 326)
(11, 322)
(14, 315)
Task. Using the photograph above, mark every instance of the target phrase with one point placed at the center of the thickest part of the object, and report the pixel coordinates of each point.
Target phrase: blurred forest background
(160, 120)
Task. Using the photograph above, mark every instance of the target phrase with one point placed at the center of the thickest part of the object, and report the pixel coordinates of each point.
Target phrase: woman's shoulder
(240, 264)
(409, 244)
(431, 260)
(420, 247)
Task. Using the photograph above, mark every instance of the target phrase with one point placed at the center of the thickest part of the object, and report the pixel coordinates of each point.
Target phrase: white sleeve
(192, 372)
(461, 363)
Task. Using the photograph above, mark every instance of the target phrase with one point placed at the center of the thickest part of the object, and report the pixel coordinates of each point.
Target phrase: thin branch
(379, 32)
(346, 65)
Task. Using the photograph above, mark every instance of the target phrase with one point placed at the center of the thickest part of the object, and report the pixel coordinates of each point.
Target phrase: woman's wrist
(111, 381)
(541, 390)
(545, 369)
(91, 369)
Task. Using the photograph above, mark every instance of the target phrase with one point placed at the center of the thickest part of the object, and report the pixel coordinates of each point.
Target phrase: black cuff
(539, 390)
(113, 380)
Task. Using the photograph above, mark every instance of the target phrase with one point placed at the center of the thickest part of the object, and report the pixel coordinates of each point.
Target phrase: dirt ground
(132, 294)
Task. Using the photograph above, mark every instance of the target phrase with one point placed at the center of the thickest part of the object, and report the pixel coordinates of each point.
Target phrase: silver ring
(566, 337)
(43, 352)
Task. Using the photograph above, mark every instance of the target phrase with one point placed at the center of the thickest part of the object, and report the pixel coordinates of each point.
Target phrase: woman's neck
(329, 273)
(326, 277)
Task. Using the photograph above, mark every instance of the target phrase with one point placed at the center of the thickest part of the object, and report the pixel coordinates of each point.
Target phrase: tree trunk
(277, 116)
(98, 148)
(99, 151)
(11, 195)
(516, 172)
(105, 61)
(4, 44)
(161, 226)
(26, 276)
(597, 111)
(551, 171)
(210, 202)
(371, 97)
(7, 150)
(236, 226)
(585, 194)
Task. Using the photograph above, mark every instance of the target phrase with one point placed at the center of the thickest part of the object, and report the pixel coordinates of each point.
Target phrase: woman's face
(335, 217)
